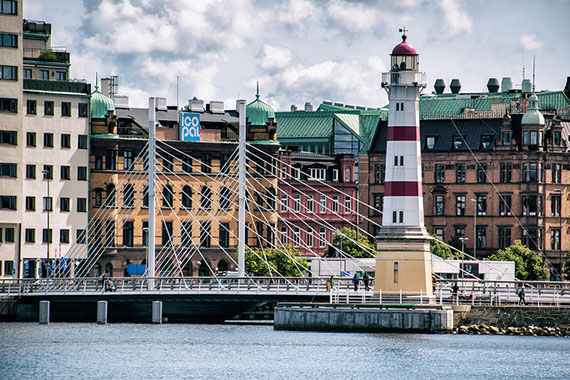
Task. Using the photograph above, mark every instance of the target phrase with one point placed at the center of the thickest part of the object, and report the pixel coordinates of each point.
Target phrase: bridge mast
(241, 189)
(150, 255)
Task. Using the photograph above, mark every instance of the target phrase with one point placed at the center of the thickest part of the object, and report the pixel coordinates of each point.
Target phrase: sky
(303, 50)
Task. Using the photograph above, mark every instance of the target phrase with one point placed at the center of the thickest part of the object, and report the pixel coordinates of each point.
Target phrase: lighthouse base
(403, 261)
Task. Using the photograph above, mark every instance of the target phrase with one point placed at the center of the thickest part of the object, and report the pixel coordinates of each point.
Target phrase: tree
(438, 248)
(285, 260)
(528, 265)
(346, 241)
(48, 55)
(566, 269)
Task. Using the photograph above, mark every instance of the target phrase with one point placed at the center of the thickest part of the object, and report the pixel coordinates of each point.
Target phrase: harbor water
(183, 351)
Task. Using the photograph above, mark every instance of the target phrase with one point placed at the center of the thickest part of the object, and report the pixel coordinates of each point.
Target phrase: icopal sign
(189, 126)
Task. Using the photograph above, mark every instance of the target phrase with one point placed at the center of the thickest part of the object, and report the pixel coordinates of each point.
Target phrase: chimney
(455, 86)
(493, 85)
(293, 108)
(121, 101)
(105, 82)
(161, 104)
(217, 107)
(439, 86)
(196, 105)
(506, 84)
(526, 86)
(308, 106)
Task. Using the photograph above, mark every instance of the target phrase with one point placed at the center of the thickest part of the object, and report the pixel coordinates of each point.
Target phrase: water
(139, 351)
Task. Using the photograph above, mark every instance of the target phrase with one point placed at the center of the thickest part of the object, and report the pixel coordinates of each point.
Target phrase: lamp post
(48, 207)
(463, 238)
(559, 242)
(475, 228)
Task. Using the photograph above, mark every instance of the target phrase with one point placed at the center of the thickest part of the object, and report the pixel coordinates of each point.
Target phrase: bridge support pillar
(156, 312)
(102, 312)
(44, 312)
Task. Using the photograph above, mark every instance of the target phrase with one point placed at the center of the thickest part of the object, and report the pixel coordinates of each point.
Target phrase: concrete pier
(102, 312)
(404, 318)
(44, 312)
(156, 312)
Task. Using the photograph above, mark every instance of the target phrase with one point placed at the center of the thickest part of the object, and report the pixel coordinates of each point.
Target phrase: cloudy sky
(303, 50)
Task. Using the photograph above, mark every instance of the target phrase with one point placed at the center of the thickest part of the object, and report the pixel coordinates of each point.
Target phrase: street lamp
(463, 238)
(474, 228)
(48, 206)
(559, 242)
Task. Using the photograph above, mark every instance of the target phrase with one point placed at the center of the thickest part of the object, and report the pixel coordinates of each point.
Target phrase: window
(481, 205)
(376, 174)
(347, 204)
(98, 162)
(481, 173)
(61, 76)
(347, 171)
(110, 190)
(505, 205)
(128, 233)
(457, 142)
(8, 72)
(336, 204)
(48, 172)
(505, 174)
(533, 137)
(296, 237)
(64, 236)
(439, 173)
(460, 205)
(128, 160)
(30, 203)
(530, 205)
(555, 239)
(460, 173)
(27, 73)
(439, 232)
(9, 7)
(481, 237)
(309, 240)
(31, 139)
(82, 110)
(47, 235)
(335, 175)
(284, 202)
(206, 198)
(378, 200)
(110, 160)
(65, 140)
(186, 234)
(504, 237)
(44, 74)
(322, 237)
(48, 204)
(533, 173)
(8, 170)
(9, 105)
(167, 196)
(270, 238)
(82, 173)
(31, 107)
(430, 142)
(145, 233)
(81, 204)
(224, 235)
(525, 138)
(98, 195)
(317, 174)
(8, 40)
(310, 203)
(128, 195)
(205, 240)
(167, 233)
(460, 233)
(31, 171)
(30, 235)
(224, 165)
(206, 165)
(82, 141)
(48, 108)
(48, 140)
(297, 202)
(167, 162)
(81, 236)
(65, 172)
(323, 204)
(505, 138)
(486, 141)
(439, 205)
(225, 198)
(557, 138)
(187, 196)
(187, 165)
(64, 204)
(556, 173)
(284, 235)
(555, 205)
(9, 235)
(532, 238)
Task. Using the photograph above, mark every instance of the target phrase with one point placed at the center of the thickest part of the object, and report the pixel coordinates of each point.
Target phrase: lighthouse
(403, 259)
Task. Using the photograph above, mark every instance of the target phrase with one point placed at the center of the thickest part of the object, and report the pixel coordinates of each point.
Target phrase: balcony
(404, 78)
(57, 86)
(37, 27)
(59, 55)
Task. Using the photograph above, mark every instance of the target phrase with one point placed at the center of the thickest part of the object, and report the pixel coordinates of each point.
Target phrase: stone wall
(516, 316)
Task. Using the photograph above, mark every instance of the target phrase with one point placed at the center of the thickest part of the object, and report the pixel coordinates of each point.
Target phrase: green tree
(528, 265)
(346, 240)
(566, 269)
(438, 248)
(286, 261)
(48, 55)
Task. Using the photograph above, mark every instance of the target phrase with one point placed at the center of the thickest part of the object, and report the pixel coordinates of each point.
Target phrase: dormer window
(486, 141)
(430, 142)
(505, 138)
(457, 142)
(557, 137)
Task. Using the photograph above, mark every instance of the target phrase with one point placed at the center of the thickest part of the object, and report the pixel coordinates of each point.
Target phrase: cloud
(275, 57)
(457, 20)
(352, 17)
(529, 42)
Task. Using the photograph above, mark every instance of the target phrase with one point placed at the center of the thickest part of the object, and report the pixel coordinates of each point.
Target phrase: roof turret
(533, 115)
(258, 112)
(100, 105)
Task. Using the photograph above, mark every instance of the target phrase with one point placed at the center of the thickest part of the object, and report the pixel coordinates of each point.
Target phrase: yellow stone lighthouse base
(403, 262)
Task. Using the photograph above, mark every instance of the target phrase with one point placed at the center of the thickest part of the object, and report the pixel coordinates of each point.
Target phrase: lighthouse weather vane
(403, 30)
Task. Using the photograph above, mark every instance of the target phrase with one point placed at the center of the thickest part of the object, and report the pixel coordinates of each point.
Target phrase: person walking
(366, 279)
(454, 291)
(355, 281)
(330, 283)
(521, 294)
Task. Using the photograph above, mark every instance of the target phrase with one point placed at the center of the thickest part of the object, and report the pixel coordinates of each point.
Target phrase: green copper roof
(533, 115)
(258, 112)
(100, 105)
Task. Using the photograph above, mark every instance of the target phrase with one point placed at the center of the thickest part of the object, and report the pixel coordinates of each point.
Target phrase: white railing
(404, 78)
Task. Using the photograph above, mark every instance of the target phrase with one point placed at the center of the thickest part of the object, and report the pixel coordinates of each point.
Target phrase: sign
(135, 269)
(189, 126)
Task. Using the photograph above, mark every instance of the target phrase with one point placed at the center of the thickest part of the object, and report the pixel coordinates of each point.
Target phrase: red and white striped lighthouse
(403, 200)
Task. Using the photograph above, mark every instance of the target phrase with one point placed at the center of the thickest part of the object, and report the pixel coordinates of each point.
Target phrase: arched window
(206, 198)
(97, 270)
(110, 195)
(222, 266)
(167, 196)
(109, 269)
(204, 270)
(187, 197)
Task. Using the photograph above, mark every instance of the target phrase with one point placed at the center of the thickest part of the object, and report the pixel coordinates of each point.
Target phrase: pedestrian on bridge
(366, 279)
(521, 294)
(330, 283)
(355, 281)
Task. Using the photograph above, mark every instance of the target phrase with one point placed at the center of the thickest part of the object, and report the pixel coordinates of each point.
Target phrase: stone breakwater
(528, 330)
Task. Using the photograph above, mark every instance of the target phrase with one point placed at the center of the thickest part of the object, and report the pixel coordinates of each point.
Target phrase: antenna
(523, 64)
(177, 108)
(533, 68)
